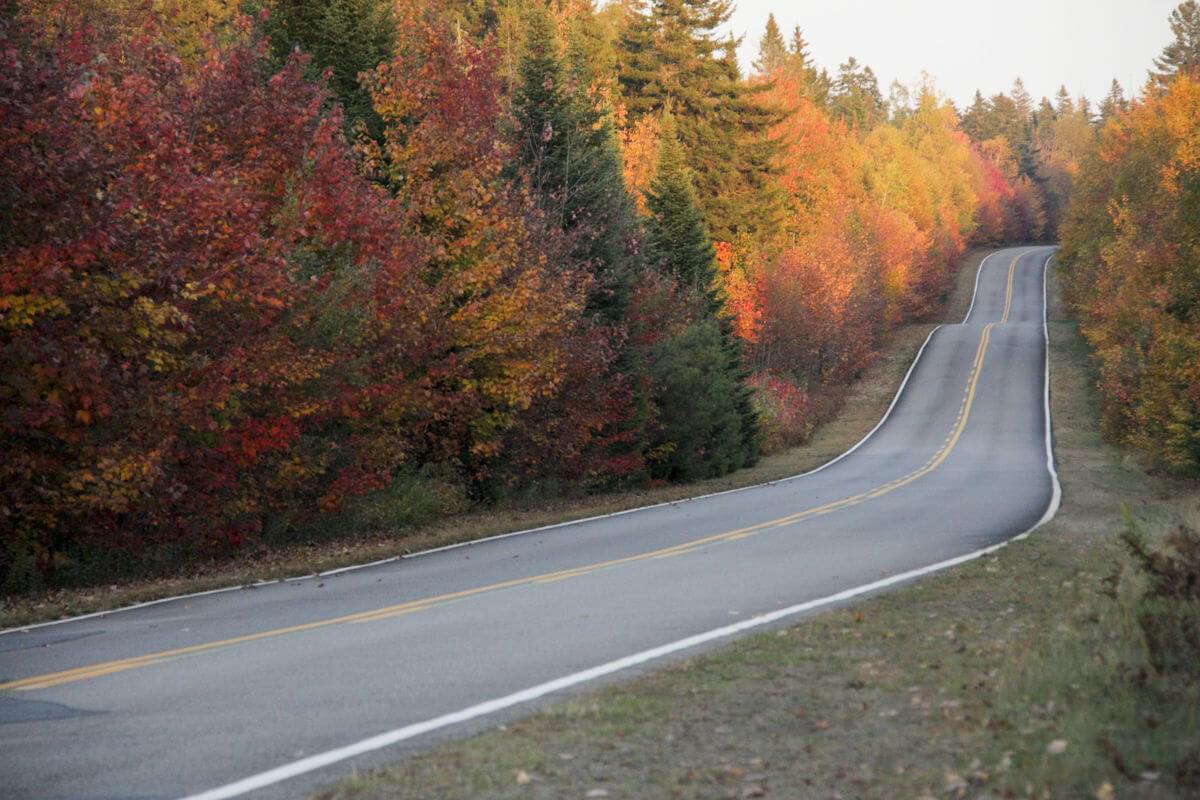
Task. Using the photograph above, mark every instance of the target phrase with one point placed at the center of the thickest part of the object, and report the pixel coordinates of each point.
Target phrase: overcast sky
(969, 44)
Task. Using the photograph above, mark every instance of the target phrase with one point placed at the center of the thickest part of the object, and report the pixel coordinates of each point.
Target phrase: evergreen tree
(856, 98)
(1114, 102)
(670, 54)
(975, 122)
(1022, 100)
(347, 36)
(677, 240)
(1183, 54)
(679, 247)
(799, 48)
(569, 153)
(772, 50)
(1062, 102)
(817, 83)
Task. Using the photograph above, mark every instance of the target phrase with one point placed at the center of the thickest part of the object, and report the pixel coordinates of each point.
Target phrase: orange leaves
(639, 145)
(1131, 257)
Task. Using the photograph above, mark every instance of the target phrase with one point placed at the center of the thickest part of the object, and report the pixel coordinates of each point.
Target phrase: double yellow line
(960, 423)
(1008, 294)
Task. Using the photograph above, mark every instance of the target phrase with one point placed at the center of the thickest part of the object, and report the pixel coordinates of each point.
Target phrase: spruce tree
(975, 121)
(670, 53)
(679, 246)
(677, 240)
(817, 83)
(1114, 102)
(346, 36)
(772, 50)
(1183, 54)
(569, 153)
(856, 98)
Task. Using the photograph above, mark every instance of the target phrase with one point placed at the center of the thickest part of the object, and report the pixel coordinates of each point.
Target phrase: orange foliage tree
(1131, 259)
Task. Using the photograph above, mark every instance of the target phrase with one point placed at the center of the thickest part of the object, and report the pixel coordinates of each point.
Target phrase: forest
(282, 269)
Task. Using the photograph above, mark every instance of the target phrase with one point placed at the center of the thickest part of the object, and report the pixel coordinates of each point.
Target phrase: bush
(1169, 611)
(784, 412)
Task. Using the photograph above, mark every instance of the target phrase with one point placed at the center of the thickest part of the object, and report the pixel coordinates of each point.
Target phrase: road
(282, 688)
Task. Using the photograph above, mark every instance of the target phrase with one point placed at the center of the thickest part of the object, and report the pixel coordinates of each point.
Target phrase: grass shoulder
(1023, 674)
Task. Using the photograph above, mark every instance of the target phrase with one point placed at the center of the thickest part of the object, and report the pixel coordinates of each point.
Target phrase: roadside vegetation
(858, 409)
(287, 273)
(1062, 666)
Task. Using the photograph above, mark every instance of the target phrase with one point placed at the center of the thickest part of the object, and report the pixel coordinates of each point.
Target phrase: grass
(1022, 674)
(863, 405)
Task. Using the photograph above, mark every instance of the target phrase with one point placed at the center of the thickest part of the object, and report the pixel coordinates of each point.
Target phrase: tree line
(1131, 256)
(280, 269)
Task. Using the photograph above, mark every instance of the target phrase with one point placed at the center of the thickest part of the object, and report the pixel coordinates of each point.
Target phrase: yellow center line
(1008, 295)
(120, 665)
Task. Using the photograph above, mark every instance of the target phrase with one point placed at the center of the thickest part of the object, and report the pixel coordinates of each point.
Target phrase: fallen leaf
(523, 777)
(1106, 792)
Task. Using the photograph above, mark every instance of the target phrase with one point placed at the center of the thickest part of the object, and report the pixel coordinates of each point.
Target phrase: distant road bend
(275, 691)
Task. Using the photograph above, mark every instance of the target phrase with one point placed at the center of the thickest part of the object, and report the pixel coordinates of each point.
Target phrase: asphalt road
(194, 694)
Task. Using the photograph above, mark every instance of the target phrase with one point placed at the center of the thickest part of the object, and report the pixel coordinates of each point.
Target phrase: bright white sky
(969, 44)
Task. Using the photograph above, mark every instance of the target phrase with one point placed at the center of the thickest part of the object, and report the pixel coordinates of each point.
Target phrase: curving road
(275, 690)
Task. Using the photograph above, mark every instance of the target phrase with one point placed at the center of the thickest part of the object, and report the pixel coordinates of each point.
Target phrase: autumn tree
(1131, 260)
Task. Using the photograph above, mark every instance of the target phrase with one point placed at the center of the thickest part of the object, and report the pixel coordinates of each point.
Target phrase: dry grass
(1018, 675)
(864, 404)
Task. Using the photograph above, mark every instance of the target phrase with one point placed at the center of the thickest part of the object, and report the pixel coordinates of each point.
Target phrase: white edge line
(526, 531)
(1055, 485)
(978, 275)
(320, 760)
(330, 757)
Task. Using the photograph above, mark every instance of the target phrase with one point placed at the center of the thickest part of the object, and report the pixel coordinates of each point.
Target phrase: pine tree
(1022, 99)
(772, 50)
(347, 36)
(975, 121)
(1183, 54)
(569, 153)
(1062, 102)
(1114, 102)
(856, 98)
(671, 54)
(679, 247)
(816, 83)
(677, 240)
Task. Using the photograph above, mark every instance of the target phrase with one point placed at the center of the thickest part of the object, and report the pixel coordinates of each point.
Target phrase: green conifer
(679, 246)
(772, 50)
(346, 36)
(1183, 54)
(569, 152)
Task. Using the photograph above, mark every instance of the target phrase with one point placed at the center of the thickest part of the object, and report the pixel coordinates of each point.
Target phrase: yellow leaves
(22, 310)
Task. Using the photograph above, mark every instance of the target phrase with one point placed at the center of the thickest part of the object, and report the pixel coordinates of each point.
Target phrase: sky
(969, 44)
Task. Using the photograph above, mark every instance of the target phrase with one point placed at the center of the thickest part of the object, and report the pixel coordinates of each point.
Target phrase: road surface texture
(279, 689)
